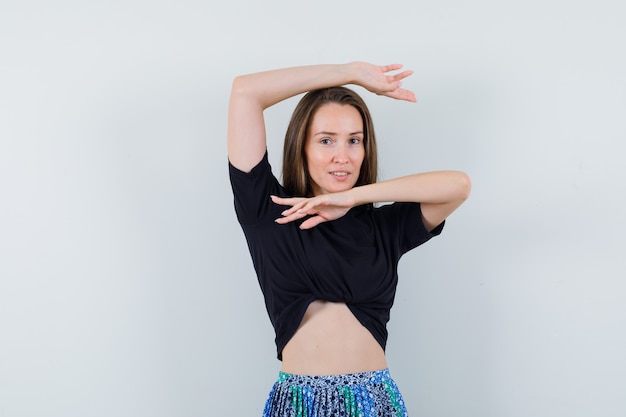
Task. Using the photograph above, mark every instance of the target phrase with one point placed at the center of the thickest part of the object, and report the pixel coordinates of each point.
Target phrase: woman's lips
(340, 175)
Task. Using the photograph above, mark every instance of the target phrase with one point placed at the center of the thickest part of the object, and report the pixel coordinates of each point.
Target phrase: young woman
(325, 257)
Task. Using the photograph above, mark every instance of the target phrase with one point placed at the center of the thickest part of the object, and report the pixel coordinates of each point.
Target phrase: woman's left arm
(439, 193)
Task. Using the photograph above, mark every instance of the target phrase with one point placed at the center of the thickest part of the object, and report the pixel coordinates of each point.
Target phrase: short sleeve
(405, 223)
(252, 190)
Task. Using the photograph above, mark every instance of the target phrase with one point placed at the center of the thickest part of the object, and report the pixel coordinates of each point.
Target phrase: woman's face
(334, 148)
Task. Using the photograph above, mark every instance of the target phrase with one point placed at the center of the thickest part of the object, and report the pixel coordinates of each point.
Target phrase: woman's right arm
(252, 94)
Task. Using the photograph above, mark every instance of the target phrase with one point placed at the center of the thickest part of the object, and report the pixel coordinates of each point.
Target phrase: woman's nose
(341, 155)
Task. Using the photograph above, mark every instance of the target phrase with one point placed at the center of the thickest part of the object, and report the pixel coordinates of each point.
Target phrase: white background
(126, 288)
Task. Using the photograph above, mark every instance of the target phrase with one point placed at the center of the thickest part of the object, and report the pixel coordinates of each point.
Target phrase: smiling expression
(334, 148)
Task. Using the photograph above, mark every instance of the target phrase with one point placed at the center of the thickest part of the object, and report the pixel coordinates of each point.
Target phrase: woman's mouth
(340, 175)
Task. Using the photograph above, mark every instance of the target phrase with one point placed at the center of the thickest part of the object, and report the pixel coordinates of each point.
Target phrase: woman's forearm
(429, 187)
(439, 193)
(270, 87)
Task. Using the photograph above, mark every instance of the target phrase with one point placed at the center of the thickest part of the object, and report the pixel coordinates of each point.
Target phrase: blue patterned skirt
(365, 394)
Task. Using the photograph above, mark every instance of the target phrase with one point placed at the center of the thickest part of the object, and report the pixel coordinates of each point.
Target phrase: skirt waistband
(359, 378)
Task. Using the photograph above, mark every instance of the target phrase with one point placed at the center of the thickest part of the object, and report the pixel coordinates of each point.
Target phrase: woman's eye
(355, 141)
(325, 141)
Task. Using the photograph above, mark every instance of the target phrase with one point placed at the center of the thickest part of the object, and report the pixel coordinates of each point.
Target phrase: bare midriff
(331, 341)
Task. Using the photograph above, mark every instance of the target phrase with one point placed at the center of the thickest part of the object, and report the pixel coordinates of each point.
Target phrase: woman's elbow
(238, 85)
(463, 185)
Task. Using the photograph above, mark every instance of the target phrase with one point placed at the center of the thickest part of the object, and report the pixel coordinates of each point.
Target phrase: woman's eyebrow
(335, 133)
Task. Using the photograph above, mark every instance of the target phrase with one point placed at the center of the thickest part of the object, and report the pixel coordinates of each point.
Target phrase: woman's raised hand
(376, 79)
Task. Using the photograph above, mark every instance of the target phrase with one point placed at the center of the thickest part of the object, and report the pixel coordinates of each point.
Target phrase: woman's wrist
(359, 195)
(350, 70)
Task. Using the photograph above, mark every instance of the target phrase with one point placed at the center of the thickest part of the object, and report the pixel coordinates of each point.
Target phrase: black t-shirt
(352, 259)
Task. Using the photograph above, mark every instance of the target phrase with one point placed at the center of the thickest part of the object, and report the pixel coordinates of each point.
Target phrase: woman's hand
(374, 78)
(322, 208)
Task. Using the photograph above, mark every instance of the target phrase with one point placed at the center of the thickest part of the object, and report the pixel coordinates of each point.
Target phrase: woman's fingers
(390, 67)
(287, 201)
(296, 210)
(402, 94)
(305, 207)
(290, 217)
(312, 222)
(399, 76)
(394, 83)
